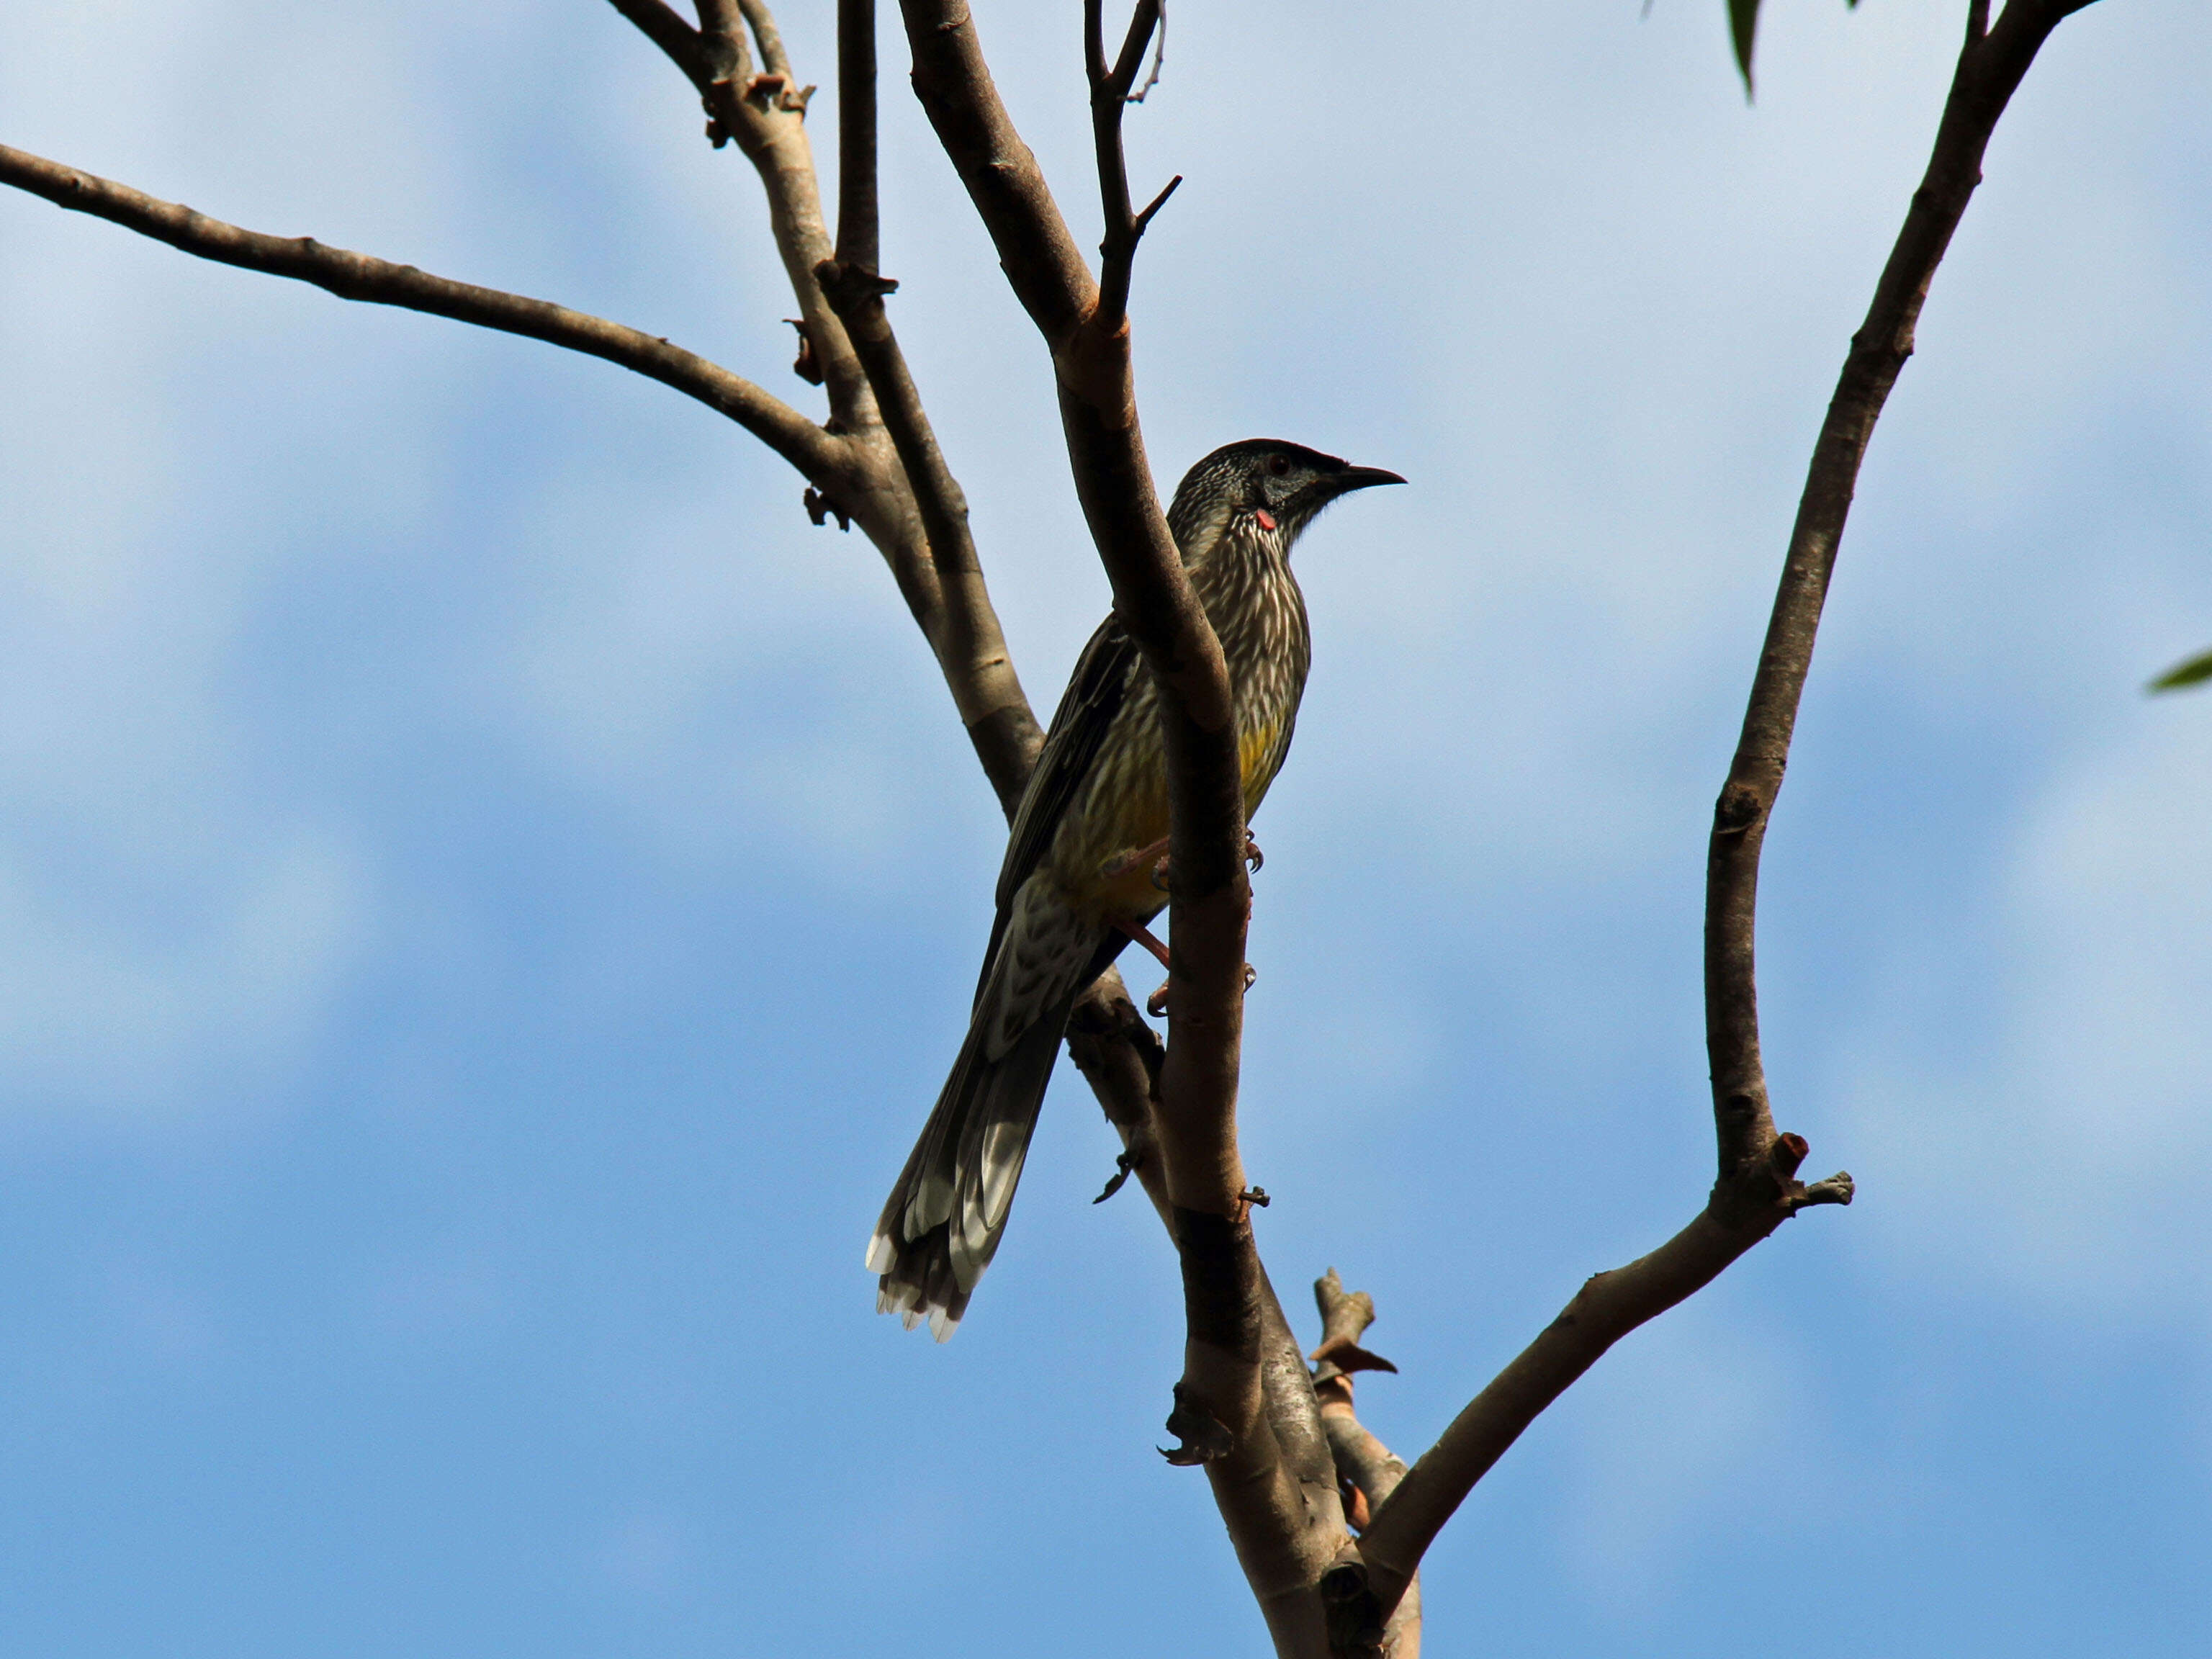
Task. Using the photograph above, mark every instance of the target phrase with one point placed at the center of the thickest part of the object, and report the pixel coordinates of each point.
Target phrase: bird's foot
(1143, 935)
(1157, 1003)
(1130, 857)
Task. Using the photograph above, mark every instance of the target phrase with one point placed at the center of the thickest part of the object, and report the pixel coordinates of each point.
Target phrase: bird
(1079, 880)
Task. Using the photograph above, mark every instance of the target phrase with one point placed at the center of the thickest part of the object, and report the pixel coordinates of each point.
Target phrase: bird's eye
(1278, 465)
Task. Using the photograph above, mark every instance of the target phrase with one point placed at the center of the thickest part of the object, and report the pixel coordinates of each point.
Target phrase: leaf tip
(2194, 671)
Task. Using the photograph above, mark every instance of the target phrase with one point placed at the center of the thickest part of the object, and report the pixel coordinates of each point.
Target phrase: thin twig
(1109, 97)
(1159, 59)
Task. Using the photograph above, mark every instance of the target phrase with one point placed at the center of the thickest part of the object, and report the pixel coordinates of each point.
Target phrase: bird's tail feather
(946, 1214)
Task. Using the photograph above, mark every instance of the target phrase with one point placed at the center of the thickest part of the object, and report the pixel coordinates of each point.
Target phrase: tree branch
(762, 22)
(858, 232)
(1991, 65)
(966, 638)
(1222, 1411)
(1757, 1188)
(765, 115)
(1109, 99)
(662, 26)
(1364, 1463)
(818, 454)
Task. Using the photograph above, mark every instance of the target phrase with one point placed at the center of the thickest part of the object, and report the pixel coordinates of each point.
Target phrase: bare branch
(765, 115)
(1281, 1500)
(1605, 1308)
(762, 22)
(661, 25)
(1222, 1406)
(859, 234)
(922, 530)
(1151, 592)
(966, 637)
(1989, 67)
(1109, 97)
(1757, 1188)
(817, 454)
(1364, 1463)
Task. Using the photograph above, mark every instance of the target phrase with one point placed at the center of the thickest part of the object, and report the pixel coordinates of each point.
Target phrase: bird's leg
(1130, 857)
(1143, 935)
(1157, 1003)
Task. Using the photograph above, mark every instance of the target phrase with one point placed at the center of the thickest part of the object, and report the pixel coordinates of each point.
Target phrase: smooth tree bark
(1328, 1525)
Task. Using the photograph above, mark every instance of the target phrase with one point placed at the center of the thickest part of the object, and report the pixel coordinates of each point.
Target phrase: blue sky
(487, 892)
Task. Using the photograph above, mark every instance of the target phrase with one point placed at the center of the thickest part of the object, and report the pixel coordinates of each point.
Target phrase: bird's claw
(1130, 857)
(1157, 1003)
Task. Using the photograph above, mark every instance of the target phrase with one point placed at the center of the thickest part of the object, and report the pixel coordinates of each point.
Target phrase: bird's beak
(1360, 477)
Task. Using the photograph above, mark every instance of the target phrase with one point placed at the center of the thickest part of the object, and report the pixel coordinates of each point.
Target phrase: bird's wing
(1095, 694)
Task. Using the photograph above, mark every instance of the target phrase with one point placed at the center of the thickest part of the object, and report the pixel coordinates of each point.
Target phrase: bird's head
(1280, 486)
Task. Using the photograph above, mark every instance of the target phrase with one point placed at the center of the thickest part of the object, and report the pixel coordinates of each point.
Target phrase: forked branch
(1109, 99)
(906, 499)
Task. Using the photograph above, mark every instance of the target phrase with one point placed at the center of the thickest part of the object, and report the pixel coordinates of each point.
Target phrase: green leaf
(1743, 24)
(2195, 671)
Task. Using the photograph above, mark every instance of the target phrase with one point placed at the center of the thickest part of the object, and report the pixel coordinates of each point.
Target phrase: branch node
(847, 286)
(1158, 202)
(1204, 1438)
(821, 509)
(1345, 1318)
(1838, 1188)
(808, 364)
(1737, 809)
(1123, 1163)
(1352, 1610)
(1255, 1195)
(1787, 1153)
